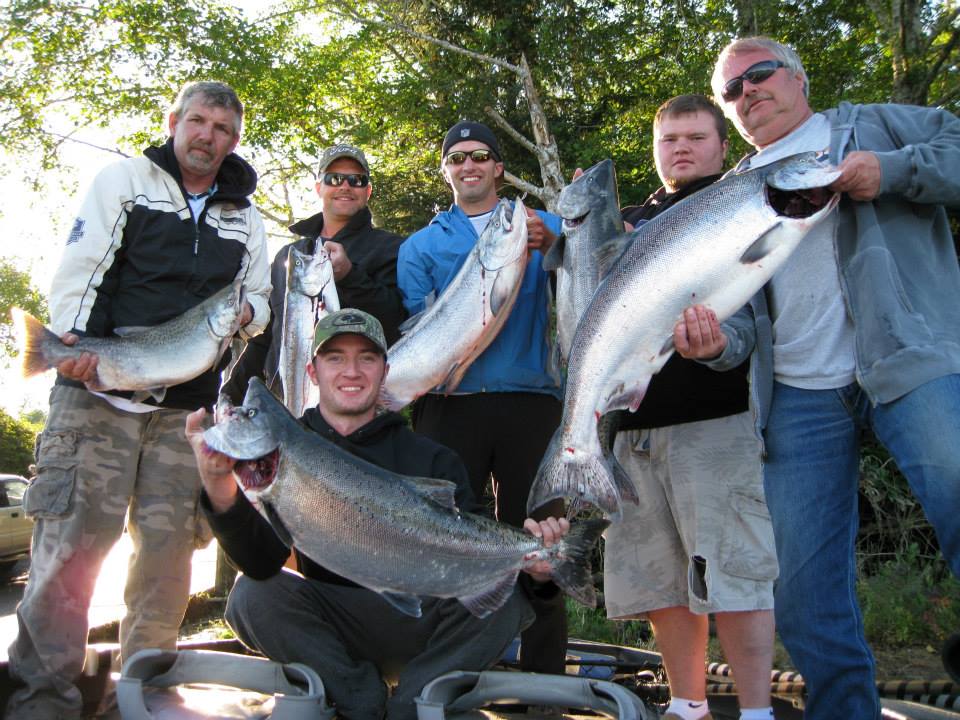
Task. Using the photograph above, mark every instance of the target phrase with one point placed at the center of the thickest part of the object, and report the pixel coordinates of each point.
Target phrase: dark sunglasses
(756, 74)
(353, 179)
(458, 157)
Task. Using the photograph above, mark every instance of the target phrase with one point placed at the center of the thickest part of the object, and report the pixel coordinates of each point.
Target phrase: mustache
(753, 101)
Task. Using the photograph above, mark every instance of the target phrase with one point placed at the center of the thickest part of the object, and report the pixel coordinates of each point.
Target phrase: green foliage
(909, 601)
(592, 624)
(16, 290)
(16, 445)
(317, 73)
(892, 524)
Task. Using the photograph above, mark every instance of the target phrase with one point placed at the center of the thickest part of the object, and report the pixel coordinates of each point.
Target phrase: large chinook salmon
(439, 344)
(311, 294)
(144, 360)
(592, 227)
(399, 536)
(716, 248)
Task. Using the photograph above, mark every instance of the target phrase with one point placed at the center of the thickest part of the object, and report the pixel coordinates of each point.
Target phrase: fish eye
(251, 412)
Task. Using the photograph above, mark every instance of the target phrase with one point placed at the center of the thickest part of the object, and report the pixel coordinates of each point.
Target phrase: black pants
(501, 437)
(356, 641)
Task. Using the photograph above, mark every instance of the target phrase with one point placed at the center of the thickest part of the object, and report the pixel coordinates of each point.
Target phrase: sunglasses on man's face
(458, 157)
(354, 180)
(756, 74)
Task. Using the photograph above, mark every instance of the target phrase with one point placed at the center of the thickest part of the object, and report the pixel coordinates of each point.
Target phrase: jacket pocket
(746, 543)
(50, 493)
(881, 307)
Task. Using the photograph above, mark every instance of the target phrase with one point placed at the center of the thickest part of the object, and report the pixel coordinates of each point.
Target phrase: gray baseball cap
(336, 152)
(352, 321)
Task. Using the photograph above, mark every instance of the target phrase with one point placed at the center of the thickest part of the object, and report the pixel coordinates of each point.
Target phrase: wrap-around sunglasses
(756, 74)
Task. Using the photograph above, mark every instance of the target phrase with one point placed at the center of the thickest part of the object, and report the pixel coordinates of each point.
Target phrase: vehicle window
(14, 490)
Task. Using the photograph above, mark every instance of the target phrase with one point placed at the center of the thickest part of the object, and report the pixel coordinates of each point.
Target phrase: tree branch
(345, 11)
(523, 185)
(509, 130)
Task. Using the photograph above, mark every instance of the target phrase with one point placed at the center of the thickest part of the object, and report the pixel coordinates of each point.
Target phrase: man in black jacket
(351, 636)
(700, 540)
(364, 260)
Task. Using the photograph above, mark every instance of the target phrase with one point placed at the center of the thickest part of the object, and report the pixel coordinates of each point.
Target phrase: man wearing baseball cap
(350, 635)
(508, 390)
(364, 260)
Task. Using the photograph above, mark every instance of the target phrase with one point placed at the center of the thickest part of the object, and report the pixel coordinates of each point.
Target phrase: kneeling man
(354, 639)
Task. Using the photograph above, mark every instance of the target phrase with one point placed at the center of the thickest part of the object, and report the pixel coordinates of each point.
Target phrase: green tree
(16, 290)
(16, 445)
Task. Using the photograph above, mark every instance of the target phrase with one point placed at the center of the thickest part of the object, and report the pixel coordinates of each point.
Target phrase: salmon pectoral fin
(553, 260)
(493, 599)
(403, 602)
(759, 248)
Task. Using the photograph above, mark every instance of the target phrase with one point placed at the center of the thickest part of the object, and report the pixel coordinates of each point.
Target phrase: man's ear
(312, 372)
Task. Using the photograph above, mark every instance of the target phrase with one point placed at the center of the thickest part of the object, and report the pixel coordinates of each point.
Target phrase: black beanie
(467, 130)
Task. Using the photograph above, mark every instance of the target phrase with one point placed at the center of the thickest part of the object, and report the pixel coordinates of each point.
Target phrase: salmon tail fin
(575, 475)
(574, 572)
(32, 337)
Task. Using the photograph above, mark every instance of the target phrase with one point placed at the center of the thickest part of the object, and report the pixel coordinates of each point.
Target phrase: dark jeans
(811, 477)
(501, 438)
(356, 642)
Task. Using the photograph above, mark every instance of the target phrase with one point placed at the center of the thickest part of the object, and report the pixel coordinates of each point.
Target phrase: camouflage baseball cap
(342, 150)
(352, 321)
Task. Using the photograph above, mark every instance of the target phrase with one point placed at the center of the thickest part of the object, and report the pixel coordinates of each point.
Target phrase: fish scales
(691, 254)
(393, 534)
(590, 208)
(309, 285)
(450, 334)
(146, 359)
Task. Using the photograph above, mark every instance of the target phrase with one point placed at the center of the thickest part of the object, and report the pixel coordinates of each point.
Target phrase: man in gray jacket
(861, 331)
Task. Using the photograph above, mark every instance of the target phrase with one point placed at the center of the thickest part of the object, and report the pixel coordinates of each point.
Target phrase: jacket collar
(236, 179)
(312, 227)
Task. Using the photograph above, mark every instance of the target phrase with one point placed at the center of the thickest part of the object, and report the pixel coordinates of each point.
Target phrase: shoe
(674, 716)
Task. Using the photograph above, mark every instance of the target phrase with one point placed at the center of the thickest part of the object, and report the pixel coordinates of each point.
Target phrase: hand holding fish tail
(539, 236)
(216, 469)
(698, 336)
(82, 369)
(550, 531)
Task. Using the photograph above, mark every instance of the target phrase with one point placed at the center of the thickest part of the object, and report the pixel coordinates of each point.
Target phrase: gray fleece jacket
(898, 265)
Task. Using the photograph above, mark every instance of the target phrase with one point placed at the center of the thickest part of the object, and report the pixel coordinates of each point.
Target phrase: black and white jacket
(136, 258)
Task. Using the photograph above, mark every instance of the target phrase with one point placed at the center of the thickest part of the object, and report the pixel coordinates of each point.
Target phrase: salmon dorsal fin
(442, 492)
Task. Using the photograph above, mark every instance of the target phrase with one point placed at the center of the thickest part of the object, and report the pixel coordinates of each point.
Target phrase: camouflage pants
(94, 462)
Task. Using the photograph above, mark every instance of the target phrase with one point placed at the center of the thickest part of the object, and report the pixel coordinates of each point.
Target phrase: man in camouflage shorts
(700, 540)
(156, 235)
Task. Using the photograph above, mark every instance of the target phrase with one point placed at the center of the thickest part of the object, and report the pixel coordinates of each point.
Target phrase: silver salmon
(440, 343)
(717, 248)
(144, 360)
(592, 226)
(399, 536)
(311, 294)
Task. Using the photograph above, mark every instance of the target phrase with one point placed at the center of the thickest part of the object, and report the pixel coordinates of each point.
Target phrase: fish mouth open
(577, 221)
(799, 203)
(258, 473)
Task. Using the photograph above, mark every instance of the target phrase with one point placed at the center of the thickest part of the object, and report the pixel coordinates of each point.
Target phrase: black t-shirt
(684, 390)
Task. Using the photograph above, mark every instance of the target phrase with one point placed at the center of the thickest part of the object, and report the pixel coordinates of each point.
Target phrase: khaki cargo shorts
(701, 535)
